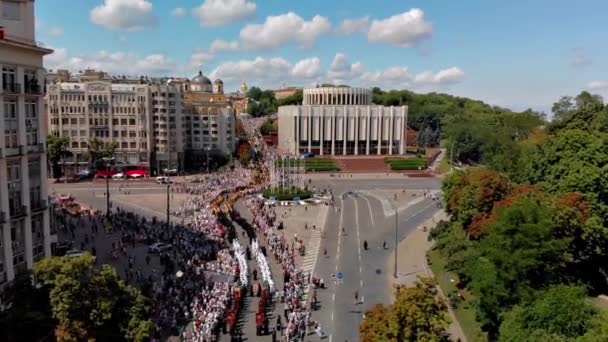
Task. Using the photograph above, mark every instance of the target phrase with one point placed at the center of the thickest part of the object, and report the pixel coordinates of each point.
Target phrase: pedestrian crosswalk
(309, 261)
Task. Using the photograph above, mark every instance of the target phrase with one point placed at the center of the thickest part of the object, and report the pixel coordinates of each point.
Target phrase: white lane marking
(330, 336)
(371, 213)
(358, 238)
(361, 283)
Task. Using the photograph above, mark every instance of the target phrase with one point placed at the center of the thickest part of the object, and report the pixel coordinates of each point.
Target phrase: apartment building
(156, 123)
(25, 234)
(104, 111)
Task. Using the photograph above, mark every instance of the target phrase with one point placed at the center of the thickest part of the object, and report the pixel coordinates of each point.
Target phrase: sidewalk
(412, 263)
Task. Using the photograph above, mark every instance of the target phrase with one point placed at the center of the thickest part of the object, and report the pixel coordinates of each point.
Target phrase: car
(162, 180)
(119, 175)
(170, 172)
(105, 173)
(137, 175)
(308, 155)
(85, 174)
(74, 253)
(159, 247)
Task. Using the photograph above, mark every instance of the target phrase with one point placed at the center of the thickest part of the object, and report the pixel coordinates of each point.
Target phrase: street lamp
(207, 148)
(107, 160)
(396, 234)
(168, 188)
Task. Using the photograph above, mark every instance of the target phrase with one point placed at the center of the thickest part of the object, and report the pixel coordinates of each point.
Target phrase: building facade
(25, 233)
(342, 121)
(155, 124)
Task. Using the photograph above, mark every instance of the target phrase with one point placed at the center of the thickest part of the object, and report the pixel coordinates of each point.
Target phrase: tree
(56, 150)
(562, 313)
(89, 302)
(416, 315)
(98, 149)
(244, 153)
(562, 107)
(254, 93)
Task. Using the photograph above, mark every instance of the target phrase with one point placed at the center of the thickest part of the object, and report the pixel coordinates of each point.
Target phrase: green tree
(416, 315)
(560, 313)
(99, 149)
(254, 93)
(56, 150)
(89, 302)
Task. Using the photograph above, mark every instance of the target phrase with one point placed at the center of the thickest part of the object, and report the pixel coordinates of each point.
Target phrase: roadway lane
(364, 271)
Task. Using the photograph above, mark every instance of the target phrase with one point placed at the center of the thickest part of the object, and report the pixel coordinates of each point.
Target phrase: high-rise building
(25, 234)
(156, 123)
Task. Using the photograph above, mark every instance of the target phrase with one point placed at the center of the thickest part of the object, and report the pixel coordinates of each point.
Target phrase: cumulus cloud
(349, 26)
(402, 30)
(131, 15)
(598, 85)
(276, 31)
(269, 72)
(220, 12)
(178, 12)
(393, 75)
(220, 45)
(200, 57)
(443, 77)
(112, 62)
(55, 31)
(341, 70)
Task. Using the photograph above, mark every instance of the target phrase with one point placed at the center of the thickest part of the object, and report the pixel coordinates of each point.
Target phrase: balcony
(33, 89)
(19, 212)
(11, 88)
(38, 205)
(15, 151)
(34, 149)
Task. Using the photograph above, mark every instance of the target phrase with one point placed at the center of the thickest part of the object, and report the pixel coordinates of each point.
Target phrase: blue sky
(516, 54)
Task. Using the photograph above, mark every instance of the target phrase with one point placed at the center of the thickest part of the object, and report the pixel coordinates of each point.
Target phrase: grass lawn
(313, 164)
(465, 313)
(444, 166)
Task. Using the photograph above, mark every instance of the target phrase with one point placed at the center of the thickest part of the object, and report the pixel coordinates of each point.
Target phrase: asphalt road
(363, 219)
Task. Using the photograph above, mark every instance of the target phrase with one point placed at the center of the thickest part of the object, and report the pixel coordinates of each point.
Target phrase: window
(10, 109)
(13, 170)
(30, 109)
(10, 10)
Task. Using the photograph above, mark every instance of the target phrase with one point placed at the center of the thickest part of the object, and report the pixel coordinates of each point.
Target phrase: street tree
(416, 315)
(56, 150)
(93, 303)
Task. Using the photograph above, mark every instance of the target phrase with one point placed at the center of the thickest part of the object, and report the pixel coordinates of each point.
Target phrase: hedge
(397, 163)
(284, 195)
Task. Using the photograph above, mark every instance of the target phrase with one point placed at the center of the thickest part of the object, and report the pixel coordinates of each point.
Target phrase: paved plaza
(363, 210)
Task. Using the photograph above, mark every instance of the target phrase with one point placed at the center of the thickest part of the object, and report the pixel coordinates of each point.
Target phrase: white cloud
(112, 62)
(349, 26)
(269, 72)
(178, 12)
(395, 75)
(307, 68)
(55, 31)
(220, 45)
(402, 30)
(128, 15)
(341, 70)
(443, 77)
(200, 57)
(220, 12)
(598, 85)
(280, 30)
(123, 39)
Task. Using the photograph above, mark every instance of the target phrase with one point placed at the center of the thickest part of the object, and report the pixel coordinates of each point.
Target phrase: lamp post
(107, 161)
(168, 189)
(396, 235)
(207, 160)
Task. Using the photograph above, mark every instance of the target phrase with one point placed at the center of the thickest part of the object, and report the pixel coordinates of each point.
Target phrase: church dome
(201, 79)
(218, 81)
(244, 87)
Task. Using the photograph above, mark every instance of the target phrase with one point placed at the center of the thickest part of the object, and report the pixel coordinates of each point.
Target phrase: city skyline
(504, 54)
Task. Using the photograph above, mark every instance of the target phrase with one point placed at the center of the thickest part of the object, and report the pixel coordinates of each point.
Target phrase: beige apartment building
(25, 233)
(156, 123)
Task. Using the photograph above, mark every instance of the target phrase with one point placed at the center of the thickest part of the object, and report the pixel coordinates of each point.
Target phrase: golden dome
(244, 87)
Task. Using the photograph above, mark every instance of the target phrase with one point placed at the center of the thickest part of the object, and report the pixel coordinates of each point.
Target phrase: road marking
(103, 188)
(371, 213)
(330, 336)
(361, 283)
(333, 298)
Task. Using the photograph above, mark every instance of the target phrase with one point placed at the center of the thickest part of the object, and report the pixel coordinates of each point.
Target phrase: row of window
(96, 98)
(11, 109)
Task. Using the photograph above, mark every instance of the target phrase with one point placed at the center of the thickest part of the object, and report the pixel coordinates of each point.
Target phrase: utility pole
(168, 192)
(396, 238)
(107, 161)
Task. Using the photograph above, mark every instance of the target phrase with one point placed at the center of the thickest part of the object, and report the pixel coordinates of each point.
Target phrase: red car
(136, 173)
(105, 173)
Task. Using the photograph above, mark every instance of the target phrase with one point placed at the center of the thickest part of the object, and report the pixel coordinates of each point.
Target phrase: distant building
(342, 121)
(156, 122)
(285, 92)
(25, 231)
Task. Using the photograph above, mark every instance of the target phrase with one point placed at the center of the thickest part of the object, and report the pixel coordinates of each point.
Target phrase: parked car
(119, 175)
(308, 155)
(159, 247)
(85, 174)
(74, 253)
(136, 173)
(105, 173)
(162, 180)
(170, 172)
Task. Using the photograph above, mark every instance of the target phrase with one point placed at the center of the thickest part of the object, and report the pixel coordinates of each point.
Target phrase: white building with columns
(24, 216)
(342, 121)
